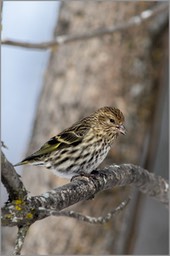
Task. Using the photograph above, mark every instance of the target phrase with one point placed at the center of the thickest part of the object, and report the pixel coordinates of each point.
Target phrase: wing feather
(71, 136)
(64, 139)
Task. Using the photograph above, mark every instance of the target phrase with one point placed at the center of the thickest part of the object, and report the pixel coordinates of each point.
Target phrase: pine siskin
(83, 146)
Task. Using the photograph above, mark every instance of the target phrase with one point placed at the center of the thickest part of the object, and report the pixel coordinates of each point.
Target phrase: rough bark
(82, 76)
(25, 210)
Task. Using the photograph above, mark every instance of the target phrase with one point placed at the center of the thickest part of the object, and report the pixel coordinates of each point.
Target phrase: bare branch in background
(63, 39)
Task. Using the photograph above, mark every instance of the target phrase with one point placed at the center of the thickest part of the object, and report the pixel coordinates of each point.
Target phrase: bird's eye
(112, 121)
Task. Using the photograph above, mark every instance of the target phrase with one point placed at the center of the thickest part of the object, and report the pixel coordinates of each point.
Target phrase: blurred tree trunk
(114, 70)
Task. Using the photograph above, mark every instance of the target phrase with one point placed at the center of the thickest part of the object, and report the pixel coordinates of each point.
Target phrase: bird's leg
(94, 173)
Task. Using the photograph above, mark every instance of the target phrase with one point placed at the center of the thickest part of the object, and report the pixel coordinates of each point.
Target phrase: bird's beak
(122, 129)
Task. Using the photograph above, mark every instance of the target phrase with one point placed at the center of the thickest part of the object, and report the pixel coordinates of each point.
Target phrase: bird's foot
(88, 176)
(85, 174)
(79, 175)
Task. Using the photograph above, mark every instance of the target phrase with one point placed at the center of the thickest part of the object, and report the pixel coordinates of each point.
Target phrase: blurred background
(129, 70)
(23, 69)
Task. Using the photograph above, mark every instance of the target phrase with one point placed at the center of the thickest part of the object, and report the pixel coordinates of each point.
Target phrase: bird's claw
(84, 174)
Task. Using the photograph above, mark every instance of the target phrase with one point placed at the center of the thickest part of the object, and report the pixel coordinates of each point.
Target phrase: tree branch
(63, 39)
(22, 231)
(11, 180)
(89, 219)
(25, 212)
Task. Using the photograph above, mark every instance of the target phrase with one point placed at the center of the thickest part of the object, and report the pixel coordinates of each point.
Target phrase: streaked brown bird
(83, 146)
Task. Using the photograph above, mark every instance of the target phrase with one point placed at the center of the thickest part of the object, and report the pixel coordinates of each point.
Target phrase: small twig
(63, 39)
(86, 218)
(22, 231)
(3, 145)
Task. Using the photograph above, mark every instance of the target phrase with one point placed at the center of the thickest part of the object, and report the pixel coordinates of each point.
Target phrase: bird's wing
(72, 136)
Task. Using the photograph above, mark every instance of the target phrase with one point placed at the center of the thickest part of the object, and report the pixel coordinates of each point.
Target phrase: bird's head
(110, 120)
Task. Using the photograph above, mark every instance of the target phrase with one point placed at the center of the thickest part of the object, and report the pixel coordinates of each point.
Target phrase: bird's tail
(22, 163)
(33, 160)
